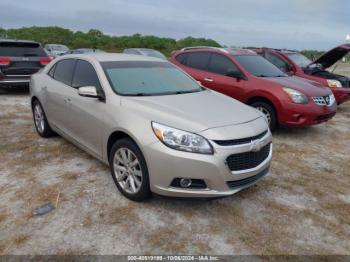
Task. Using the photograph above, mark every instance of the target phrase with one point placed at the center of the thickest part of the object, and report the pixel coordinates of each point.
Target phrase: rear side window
(64, 71)
(85, 75)
(198, 60)
(52, 71)
(18, 49)
(220, 64)
(181, 58)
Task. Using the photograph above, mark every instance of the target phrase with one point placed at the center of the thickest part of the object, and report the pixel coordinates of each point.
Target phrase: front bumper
(300, 115)
(166, 164)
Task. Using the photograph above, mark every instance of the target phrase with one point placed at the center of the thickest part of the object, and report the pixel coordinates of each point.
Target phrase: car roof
(17, 41)
(111, 57)
(232, 51)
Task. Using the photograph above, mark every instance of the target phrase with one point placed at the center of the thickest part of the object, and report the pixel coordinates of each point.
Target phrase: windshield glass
(145, 78)
(299, 59)
(258, 66)
(18, 49)
(154, 53)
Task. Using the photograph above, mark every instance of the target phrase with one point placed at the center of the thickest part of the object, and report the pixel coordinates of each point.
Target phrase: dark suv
(20, 59)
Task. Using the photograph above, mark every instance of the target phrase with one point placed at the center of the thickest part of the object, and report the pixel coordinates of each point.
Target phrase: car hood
(194, 112)
(303, 85)
(331, 57)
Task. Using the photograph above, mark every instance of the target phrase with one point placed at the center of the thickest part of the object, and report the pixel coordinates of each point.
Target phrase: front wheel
(268, 111)
(129, 170)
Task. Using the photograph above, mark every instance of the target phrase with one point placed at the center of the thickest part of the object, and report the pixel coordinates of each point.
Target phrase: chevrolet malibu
(155, 126)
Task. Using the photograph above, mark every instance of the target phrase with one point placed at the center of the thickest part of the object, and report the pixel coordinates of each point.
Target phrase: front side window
(85, 75)
(146, 78)
(274, 59)
(64, 71)
(220, 64)
(198, 60)
(299, 59)
(259, 66)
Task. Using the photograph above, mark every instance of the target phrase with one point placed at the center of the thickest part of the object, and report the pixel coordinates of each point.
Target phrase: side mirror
(236, 74)
(88, 91)
(289, 69)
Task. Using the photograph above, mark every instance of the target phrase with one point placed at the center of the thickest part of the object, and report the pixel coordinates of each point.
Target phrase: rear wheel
(268, 111)
(40, 120)
(129, 170)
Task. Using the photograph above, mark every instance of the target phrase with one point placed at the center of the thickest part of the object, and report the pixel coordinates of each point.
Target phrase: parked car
(295, 63)
(145, 51)
(246, 76)
(155, 126)
(56, 49)
(19, 59)
(84, 51)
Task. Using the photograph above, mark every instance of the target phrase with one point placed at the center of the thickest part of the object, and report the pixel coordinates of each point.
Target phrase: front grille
(246, 181)
(240, 141)
(247, 160)
(324, 100)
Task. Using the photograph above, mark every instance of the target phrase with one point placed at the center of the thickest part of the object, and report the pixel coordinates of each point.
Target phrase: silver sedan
(157, 128)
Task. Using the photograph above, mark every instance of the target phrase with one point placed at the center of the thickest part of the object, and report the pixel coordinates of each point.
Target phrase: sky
(294, 24)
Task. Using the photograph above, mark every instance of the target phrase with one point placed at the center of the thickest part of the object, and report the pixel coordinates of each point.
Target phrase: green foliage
(312, 54)
(96, 39)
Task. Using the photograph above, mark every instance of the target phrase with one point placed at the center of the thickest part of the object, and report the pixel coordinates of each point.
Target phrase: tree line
(96, 39)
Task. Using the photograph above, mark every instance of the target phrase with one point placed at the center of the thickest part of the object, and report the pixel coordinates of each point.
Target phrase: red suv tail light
(5, 61)
(45, 61)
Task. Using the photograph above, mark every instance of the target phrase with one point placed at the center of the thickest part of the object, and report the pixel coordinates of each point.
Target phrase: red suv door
(216, 77)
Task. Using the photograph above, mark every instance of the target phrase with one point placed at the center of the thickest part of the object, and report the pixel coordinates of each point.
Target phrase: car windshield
(258, 66)
(146, 78)
(299, 59)
(153, 53)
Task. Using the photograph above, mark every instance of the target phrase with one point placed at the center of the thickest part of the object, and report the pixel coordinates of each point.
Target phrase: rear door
(57, 91)
(196, 64)
(215, 78)
(24, 59)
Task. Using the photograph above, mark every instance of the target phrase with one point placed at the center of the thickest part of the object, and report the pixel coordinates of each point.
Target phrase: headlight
(182, 140)
(332, 83)
(296, 96)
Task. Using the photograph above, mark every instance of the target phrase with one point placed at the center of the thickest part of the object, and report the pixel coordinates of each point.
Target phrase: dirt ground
(302, 207)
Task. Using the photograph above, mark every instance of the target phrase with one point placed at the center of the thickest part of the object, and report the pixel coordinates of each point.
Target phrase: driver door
(215, 78)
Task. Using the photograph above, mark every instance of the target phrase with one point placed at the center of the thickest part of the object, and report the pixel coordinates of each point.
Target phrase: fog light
(185, 182)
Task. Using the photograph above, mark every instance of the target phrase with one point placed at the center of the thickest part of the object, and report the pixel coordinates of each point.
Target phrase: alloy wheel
(127, 169)
(39, 118)
(265, 112)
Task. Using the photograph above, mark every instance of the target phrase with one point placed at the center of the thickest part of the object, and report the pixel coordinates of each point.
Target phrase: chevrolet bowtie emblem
(256, 145)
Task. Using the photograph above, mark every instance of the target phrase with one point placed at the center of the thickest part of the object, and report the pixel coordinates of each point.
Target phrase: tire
(269, 112)
(40, 121)
(129, 170)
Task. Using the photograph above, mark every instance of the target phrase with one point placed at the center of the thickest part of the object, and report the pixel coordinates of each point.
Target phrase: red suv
(248, 77)
(295, 63)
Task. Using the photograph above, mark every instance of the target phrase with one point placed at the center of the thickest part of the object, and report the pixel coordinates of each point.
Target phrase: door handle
(208, 79)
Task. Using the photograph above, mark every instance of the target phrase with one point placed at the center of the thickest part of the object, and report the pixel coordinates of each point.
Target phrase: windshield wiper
(187, 91)
(262, 76)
